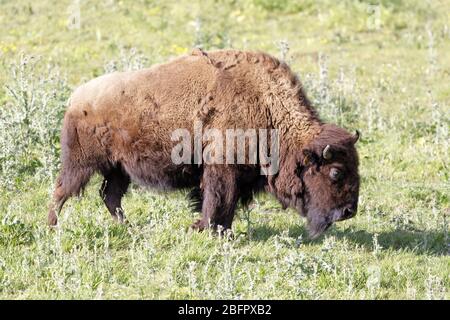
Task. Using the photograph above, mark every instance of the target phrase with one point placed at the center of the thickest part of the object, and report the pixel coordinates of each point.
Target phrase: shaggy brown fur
(120, 125)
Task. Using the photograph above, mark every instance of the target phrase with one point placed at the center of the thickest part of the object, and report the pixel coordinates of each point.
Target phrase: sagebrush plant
(386, 78)
(333, 98)
(128, 60)
(30, 121)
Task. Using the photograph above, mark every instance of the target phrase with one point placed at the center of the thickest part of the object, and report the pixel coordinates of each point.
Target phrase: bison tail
(77, 169)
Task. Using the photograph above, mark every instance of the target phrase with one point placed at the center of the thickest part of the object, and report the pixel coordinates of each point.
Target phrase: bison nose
(348, 212)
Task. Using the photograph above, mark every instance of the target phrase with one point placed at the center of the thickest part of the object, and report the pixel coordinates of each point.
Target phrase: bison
(120, 125)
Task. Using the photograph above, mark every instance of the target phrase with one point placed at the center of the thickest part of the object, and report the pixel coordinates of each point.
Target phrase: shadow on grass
(418, 242)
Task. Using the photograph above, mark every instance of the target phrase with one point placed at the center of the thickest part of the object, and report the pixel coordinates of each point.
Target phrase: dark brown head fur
(322, 190)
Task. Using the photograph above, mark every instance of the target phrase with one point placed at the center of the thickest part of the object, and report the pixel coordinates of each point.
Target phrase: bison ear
(309, 157)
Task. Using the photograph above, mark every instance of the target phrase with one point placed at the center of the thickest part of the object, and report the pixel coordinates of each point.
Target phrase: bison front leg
(219, 194)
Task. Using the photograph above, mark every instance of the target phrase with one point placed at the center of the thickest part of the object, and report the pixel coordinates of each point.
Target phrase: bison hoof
(216, 230)
(52, 219)
(199, 225)
(120, 218)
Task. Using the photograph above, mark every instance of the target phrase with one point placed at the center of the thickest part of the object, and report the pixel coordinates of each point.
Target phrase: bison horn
(356, 136)
(326, 152)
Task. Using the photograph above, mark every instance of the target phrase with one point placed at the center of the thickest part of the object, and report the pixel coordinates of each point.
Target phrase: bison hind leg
(113, 188)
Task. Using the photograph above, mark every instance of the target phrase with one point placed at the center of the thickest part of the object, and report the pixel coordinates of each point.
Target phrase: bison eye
(335, 174)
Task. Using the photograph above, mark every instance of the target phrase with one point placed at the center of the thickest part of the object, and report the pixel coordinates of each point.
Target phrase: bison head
(321, 181)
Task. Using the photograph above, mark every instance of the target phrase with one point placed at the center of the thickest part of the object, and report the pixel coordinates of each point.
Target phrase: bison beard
(120, 125)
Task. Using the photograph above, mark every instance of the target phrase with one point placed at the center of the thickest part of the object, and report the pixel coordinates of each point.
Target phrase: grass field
(382, 67)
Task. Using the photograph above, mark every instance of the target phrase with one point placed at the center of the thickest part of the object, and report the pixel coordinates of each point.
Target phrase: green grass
(389, 78)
